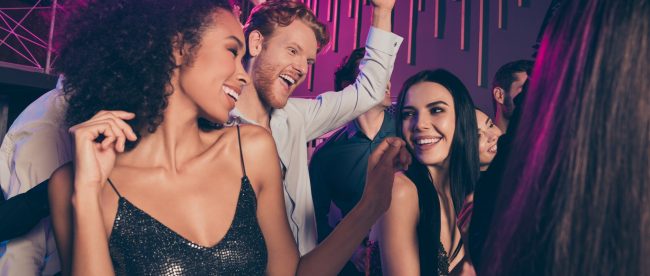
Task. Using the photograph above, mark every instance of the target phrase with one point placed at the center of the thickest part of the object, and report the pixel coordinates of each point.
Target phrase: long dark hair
(576, 191)
(463, 163)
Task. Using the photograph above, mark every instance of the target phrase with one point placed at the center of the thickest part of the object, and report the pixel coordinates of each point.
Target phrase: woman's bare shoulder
(61, 181)
(403, 188)
(251, 137)
(405, 197)
(256, 144)
(63, 175)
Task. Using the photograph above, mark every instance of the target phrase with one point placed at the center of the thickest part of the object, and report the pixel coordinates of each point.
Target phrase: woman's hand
(388, 158)
(94, 159)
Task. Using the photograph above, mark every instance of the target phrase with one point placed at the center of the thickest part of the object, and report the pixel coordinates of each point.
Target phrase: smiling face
(213, 77)
(283, 62)
(429, 122)
(488, 135)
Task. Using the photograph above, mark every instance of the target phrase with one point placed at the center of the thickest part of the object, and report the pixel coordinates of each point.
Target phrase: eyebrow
(429, 105)
(436, 103)
(487, 120)
(239, 42)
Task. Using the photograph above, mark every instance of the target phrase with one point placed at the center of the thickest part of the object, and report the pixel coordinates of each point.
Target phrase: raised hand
(388, 158)
(382, 13)
(384, 4)
(94, 159)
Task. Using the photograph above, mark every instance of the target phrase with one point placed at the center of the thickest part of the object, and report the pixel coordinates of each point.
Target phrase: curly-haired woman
(150, 192)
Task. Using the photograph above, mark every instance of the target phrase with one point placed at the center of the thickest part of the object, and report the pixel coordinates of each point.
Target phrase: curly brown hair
(118, 55)
(269, 15)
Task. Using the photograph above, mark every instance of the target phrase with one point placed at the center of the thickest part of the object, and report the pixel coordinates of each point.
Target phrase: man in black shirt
(338, 166)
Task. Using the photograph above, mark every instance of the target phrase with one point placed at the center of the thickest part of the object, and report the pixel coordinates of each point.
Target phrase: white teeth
(427, 141)
(493, 149)
(231, 93)
(288, 79)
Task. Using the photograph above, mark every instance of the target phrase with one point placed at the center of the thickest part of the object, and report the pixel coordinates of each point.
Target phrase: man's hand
(384, 4)
(382, 13)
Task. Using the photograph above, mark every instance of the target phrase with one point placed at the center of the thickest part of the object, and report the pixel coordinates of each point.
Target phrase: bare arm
(398, 239)
(90, 244)
(76, 208)
(329, 257)
(382, 13)
(263, 168)
(78, 227)
(60, 194)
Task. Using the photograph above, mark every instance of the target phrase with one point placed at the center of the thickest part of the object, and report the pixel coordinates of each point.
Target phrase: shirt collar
(276, 114)
(387, 125)
(235, 114)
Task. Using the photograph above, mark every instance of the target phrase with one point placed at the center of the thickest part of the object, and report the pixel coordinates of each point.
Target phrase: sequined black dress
(141, 245)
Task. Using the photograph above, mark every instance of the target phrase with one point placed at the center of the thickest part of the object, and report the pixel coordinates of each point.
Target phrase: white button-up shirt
(303, 120)
(36, 144)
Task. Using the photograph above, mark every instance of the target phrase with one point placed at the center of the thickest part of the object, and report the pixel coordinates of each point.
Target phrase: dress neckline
(174, 232)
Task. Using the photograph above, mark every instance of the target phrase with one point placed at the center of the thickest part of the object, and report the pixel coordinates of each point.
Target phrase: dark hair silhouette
(575, 197)
(348, 70)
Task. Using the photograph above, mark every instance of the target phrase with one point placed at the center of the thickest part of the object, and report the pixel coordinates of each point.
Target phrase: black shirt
(338, 170)
(19, 214)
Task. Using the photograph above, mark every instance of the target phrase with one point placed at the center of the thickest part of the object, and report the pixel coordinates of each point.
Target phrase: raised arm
(382, 13)
(329, 257)
(398, 241)
(79, 225)
(333, 109)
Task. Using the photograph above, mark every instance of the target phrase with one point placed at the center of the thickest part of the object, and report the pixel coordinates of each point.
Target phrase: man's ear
(255, 41)
(497, 94)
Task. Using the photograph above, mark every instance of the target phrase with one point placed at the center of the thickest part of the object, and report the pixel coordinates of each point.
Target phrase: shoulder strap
(114, 189)
(241, 154)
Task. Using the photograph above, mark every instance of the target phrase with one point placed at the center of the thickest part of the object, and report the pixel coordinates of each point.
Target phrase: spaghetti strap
(114, 189)
(241, 154)
(457, 250)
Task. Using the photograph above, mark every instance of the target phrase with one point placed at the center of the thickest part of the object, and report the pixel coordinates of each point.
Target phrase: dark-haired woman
(418, 234)
(573, 199)
(488, 135)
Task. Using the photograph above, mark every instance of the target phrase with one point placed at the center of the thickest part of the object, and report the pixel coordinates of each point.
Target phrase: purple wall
(514, 41)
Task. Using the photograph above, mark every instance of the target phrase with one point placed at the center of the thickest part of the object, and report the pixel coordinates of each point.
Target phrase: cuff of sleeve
(384, 41)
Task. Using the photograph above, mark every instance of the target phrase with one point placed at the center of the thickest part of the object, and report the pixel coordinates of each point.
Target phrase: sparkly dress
(141, 245)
